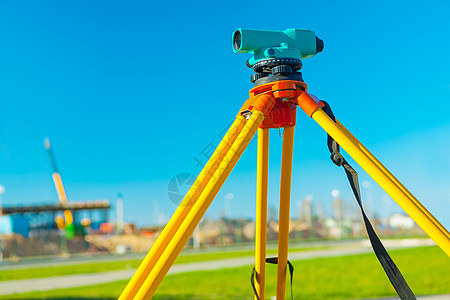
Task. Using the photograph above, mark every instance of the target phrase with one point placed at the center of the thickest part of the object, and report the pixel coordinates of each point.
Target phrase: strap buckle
(337, 158)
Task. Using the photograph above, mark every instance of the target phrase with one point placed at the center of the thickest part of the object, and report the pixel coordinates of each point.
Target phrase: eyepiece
(319, 45)
(237, 40)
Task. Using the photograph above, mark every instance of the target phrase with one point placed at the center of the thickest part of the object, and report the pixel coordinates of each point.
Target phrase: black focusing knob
(281, 69)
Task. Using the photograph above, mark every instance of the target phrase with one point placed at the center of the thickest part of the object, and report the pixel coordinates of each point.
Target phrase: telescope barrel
(264, 44)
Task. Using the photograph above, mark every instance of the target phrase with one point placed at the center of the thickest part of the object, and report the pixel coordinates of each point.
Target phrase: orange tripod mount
(288, 94)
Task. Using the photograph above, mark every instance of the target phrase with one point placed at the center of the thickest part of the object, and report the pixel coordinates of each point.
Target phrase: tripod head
(276, 53)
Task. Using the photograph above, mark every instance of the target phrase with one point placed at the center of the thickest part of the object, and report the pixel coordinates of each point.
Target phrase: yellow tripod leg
(261, 211)
(199, 208)
(418, 213)
(389, 174)
(283, 222)
(192, 195)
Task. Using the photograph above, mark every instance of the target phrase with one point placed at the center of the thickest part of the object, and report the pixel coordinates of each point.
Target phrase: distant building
(18, 224)
(401, 221)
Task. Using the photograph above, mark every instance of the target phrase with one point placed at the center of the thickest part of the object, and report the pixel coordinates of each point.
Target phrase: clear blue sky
(129, 93)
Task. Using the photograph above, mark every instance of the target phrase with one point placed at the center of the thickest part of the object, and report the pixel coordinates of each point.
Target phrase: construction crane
(65, 222)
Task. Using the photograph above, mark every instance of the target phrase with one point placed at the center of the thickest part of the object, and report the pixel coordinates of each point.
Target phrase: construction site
(84, 228)
(27, 231)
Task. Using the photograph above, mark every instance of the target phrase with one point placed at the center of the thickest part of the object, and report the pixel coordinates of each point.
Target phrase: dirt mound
(126, 242)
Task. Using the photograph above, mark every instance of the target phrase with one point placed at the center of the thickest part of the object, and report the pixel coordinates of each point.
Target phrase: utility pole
(119, 213)
(2, 191)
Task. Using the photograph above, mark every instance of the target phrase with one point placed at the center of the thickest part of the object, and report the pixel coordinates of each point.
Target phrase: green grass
(188, 258)
(426, 270)
(66, 270)
(122, 265)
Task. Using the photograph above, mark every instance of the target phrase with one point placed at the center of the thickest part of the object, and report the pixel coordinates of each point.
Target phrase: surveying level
(278, 91)
(268, 44)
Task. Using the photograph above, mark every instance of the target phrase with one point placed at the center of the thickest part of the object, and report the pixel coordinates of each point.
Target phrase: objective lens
(237, 40)
(319, 45)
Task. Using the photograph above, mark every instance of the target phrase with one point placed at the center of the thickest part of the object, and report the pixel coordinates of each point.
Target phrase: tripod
(279, 90)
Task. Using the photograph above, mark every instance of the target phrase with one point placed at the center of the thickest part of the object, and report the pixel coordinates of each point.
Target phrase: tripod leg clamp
(262, 102)
(309, 103)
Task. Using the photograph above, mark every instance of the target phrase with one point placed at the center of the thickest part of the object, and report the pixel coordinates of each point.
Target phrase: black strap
(394, 274)
(272, 260)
